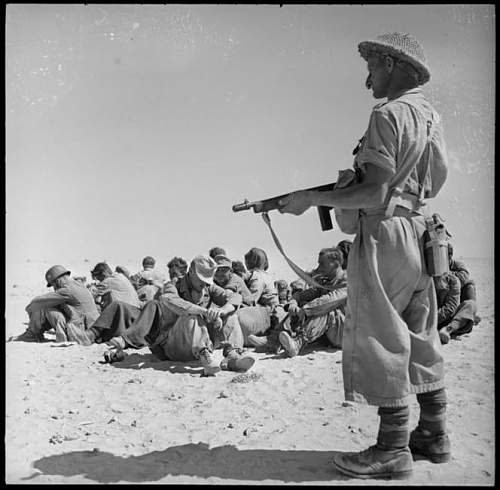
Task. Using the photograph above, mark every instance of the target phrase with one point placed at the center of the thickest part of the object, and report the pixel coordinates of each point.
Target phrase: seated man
(191, 318)
(317, 311)
(283, 291)
(70, 303)
(465, 316)
(225, 278)
(177, 268)
(148, 281)
(344, 246)
(240, 270)
(296, 286)
(214, 251)
(113, 286)
(448, 298)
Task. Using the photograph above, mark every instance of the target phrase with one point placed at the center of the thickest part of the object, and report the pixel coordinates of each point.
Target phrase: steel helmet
(55, 272)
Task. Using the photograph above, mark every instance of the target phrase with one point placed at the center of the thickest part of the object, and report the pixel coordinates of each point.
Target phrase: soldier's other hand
(295, 202)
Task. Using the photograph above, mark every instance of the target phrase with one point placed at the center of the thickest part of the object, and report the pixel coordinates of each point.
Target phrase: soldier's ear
(389, 63)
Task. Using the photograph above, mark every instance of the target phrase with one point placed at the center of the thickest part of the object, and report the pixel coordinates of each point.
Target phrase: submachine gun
(272, 203)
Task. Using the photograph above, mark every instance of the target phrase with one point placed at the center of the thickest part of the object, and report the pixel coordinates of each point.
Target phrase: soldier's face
(222, 276)
(378, 77)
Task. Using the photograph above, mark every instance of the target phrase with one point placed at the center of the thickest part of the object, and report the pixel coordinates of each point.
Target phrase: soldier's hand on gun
(296, 202)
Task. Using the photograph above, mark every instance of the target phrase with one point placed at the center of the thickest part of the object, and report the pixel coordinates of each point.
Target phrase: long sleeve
(451, 299)
(47, 301)
(460, 271)
(224, 297)
(326, 302)
(181, 307)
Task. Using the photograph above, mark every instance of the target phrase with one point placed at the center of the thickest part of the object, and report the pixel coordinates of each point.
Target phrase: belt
(399, 203)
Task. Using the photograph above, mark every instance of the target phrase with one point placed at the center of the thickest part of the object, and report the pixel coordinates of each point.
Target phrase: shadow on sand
(194, 460)
(149, 361)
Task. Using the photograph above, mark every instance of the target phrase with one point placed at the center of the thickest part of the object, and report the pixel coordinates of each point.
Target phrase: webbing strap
(301, 273)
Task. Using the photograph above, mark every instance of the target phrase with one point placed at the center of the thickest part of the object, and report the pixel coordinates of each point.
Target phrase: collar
(412, 91)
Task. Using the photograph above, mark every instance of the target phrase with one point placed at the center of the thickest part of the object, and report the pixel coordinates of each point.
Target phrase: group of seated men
(217, 303)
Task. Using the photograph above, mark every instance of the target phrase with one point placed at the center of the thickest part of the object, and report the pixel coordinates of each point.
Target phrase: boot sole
(393, 475)
(285, 342)
(244, 364)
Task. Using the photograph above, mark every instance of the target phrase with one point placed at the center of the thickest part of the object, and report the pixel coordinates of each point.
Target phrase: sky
(131, 130)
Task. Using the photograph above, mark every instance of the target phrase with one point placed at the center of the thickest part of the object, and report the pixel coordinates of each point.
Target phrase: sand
(71, 419)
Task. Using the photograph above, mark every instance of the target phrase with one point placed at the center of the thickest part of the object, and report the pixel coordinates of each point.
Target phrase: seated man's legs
(114, 320)
(464, 318)
(311, 330)
(42, 320)
(185, 339)
(254, 320)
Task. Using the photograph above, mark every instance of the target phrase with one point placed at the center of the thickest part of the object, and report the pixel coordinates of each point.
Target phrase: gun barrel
(243, 206)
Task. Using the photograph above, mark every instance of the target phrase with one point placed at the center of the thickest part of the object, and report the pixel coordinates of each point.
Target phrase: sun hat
(204, 267)
(402, 46)
(223, 261)
(54, 273)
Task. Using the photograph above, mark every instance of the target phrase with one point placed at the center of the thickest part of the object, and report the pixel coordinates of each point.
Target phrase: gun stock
(273, 203)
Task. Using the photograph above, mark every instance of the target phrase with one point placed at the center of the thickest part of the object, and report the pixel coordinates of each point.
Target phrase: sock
(394, 430)
(432, 411)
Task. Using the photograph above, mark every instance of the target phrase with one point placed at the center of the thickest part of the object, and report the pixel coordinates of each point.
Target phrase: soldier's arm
(451, 301)
(181, 307)
(47, 300)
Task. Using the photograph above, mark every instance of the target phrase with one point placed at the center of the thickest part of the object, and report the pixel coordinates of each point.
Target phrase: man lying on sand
(70, 303)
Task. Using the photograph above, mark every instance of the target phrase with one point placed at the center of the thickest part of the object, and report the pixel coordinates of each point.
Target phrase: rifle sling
(301, 273)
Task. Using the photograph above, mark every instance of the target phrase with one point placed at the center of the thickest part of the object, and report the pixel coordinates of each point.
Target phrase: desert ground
(71, 419)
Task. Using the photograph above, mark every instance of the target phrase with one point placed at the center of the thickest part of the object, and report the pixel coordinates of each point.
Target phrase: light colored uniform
(391, 344)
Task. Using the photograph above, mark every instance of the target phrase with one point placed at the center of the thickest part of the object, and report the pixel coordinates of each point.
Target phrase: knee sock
(432, 411)
(394, 431)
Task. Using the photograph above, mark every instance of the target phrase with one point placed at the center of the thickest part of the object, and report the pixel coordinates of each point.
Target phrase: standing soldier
(391, 344)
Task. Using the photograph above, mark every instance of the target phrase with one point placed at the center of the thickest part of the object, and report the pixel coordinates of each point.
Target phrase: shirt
(237, 284)
(318, 301)
(121, 289)
(181, 299)
(448, 297)
(261, 286)
(74, 300)
(396, 140)
(148, 276)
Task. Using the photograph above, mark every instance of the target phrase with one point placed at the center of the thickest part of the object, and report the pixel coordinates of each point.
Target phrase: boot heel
(440, 458)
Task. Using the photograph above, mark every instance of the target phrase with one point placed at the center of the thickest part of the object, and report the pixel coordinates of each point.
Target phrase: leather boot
(235, 361)
(291, 345)
(435, 447)
(375, 462)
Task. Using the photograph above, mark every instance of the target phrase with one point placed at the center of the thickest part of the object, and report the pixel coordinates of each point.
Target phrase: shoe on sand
(444, 336)
(375, 462)
(234, 360)
(434, 447)
(291, 345)
(210, 365)
(27, 336)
